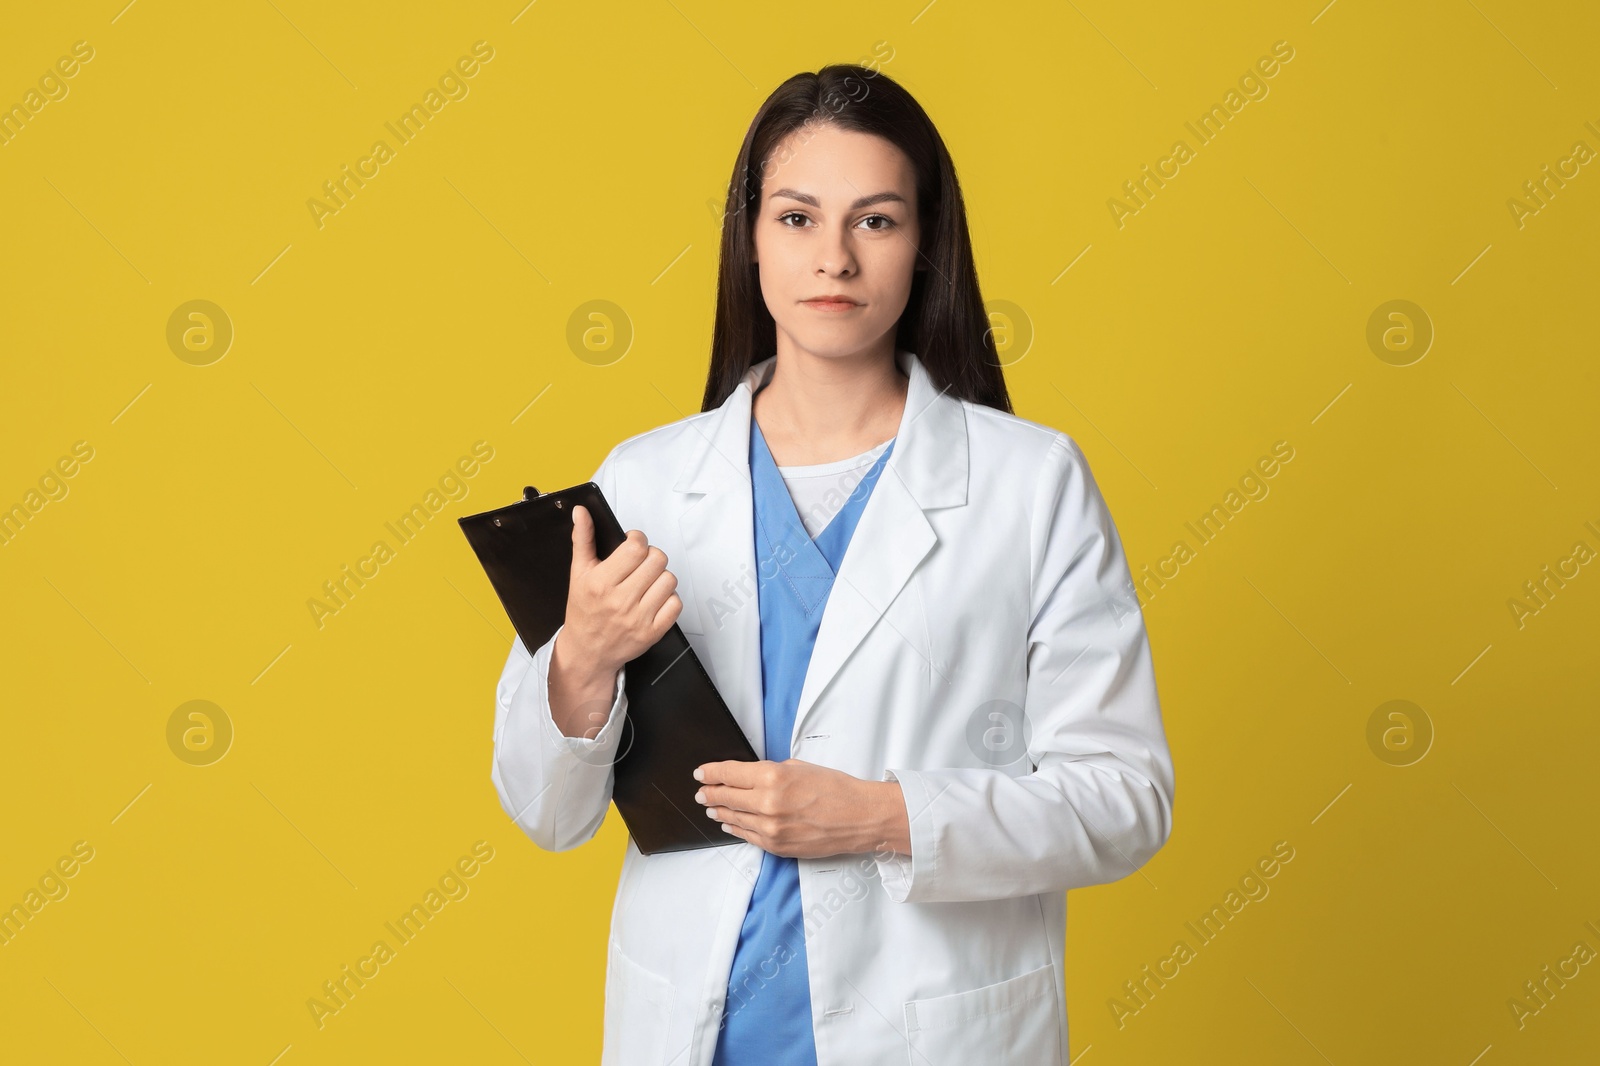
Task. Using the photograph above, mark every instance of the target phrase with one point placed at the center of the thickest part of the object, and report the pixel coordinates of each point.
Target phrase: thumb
(583, 555)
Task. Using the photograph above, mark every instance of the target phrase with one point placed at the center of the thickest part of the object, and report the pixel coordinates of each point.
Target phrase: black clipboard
(675, 719)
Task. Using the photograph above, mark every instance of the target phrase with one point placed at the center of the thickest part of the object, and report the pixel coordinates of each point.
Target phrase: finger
(757, 826)
(582, 539)
(658, 595)
(729, 772)
(668, 613)
(627, 555)
(651, 566)
(722, 798)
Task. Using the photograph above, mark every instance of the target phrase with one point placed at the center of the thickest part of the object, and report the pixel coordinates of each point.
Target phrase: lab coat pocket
(1009, 1023)
(638, 1013)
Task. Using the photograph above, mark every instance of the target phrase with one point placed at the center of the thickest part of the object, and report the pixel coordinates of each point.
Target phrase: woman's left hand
(802, 810)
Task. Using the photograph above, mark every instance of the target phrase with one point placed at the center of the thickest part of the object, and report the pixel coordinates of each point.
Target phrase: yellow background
(369, 354)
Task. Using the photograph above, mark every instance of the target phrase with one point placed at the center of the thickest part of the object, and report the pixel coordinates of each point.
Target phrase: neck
(819, 409)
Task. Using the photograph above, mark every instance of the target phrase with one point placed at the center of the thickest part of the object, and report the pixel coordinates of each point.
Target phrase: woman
(957, 716)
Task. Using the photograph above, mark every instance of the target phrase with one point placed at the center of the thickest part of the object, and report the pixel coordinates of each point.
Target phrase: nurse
(914, 602)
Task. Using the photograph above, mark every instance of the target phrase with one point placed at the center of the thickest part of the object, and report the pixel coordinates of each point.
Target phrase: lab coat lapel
(718, 529)
(927, 469)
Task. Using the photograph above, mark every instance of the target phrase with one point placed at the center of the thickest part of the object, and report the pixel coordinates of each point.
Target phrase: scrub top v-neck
(767, 1018)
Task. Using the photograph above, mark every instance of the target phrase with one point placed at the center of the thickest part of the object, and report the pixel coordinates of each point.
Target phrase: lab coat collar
(927, 469)
(930, 452)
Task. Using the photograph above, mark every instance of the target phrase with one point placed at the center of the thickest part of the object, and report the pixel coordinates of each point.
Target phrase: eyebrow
(865, 201)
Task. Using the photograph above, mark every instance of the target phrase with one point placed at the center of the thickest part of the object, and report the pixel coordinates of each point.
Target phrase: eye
(791, 214)
(888, 223)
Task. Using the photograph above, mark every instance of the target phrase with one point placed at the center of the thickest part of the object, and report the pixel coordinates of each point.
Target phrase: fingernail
(698, 776)
(711, 812)
(700, 797)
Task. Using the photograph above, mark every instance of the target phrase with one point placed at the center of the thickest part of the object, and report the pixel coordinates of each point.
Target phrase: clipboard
(675, 718)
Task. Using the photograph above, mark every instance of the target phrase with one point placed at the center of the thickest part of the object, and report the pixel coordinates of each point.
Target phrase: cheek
(894, 266)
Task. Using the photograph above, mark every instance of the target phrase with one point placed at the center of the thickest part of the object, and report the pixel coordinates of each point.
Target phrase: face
(838, 218)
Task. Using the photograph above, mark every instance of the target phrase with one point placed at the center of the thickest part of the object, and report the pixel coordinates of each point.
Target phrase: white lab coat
(985, 574)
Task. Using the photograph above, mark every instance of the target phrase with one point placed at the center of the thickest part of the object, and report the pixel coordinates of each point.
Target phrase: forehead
(838, 165)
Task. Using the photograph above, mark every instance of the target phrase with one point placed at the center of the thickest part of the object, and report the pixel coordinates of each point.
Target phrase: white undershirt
(820, 490)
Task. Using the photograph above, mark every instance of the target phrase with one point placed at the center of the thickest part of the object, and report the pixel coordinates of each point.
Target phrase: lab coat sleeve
(1098, 802)
(556, 788)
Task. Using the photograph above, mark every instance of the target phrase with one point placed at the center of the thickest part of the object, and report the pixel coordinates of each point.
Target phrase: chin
(834, 344)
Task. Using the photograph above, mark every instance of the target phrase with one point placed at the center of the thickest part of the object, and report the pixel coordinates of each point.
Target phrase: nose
(835, 258)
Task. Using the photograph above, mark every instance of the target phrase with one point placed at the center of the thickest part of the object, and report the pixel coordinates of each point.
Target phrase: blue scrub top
(767, 1018)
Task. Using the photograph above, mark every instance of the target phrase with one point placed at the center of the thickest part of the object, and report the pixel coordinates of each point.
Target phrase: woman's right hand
(617, 608)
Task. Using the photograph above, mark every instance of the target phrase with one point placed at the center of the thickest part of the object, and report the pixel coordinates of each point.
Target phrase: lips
(832, 303)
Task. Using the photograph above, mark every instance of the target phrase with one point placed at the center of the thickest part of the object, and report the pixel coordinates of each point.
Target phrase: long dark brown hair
(944, 322)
